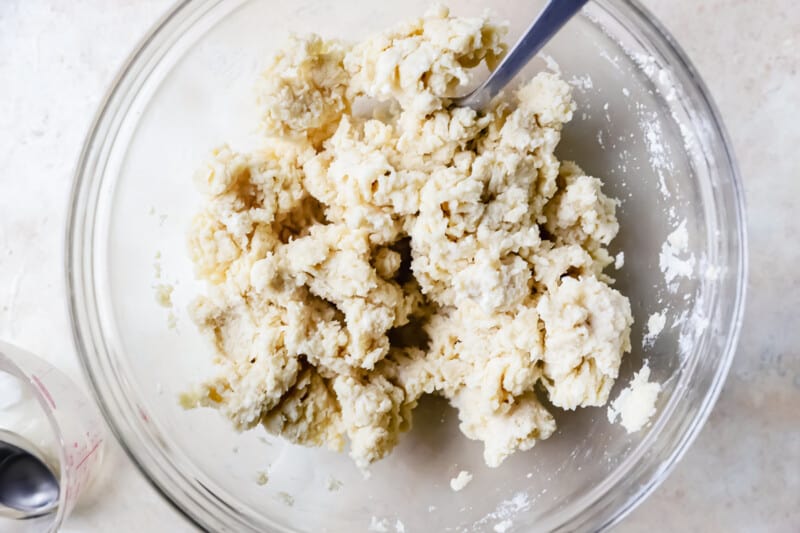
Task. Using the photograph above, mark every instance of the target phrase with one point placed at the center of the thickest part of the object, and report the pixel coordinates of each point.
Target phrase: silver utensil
(28, 486)
(552, 18)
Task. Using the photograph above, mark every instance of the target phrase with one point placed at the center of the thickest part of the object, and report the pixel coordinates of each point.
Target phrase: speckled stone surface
(742, 473)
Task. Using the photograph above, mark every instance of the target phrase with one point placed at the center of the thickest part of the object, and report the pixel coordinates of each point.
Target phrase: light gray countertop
(743, 472)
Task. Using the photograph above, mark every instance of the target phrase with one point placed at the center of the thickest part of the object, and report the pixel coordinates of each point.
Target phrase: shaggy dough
(356, 261)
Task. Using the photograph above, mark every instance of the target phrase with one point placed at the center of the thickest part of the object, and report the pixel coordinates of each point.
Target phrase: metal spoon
(28, 486)
(552, 18)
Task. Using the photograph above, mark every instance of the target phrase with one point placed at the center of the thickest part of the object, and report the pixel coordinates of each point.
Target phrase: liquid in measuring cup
(29, 473)
(49, 426)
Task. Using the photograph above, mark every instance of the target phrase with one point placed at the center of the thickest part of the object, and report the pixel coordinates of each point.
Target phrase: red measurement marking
(44, 391)
(91, 452)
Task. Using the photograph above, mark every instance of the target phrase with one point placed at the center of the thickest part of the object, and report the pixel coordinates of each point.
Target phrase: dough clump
(359, 259)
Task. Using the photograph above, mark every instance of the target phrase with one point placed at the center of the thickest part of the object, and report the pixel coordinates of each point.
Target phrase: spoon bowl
(550, 20)
(28, 485)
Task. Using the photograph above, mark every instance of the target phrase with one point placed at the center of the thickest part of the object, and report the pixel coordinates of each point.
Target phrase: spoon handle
(552, 18)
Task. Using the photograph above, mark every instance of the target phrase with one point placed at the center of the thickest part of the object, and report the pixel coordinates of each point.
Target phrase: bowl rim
(74, 247)
(647, 18)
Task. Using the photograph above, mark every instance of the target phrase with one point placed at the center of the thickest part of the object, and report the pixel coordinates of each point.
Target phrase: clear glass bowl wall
(644, 124)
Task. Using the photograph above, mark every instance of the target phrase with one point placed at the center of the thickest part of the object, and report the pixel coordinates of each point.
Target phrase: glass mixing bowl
(645, 124)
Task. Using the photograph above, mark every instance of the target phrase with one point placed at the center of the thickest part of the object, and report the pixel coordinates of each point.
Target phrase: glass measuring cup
(41, 404)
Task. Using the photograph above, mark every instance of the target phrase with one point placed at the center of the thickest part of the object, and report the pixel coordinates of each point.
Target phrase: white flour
(660, 156)
(379, 525)
(655, 324)
(582, 83)
(673, 260)
(502, 527)
(505, 511)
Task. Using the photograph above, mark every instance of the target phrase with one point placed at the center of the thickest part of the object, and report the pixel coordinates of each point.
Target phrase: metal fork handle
(551, 19)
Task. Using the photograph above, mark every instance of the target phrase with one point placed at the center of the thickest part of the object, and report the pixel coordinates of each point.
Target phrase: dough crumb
(333, 484)
(262, 477)
(172, 320)
(460, 481)
(636, 403)
(164, 294)
(286, 498)
(157, 265)
(619, 260)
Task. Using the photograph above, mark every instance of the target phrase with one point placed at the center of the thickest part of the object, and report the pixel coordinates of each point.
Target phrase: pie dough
(380, 245)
